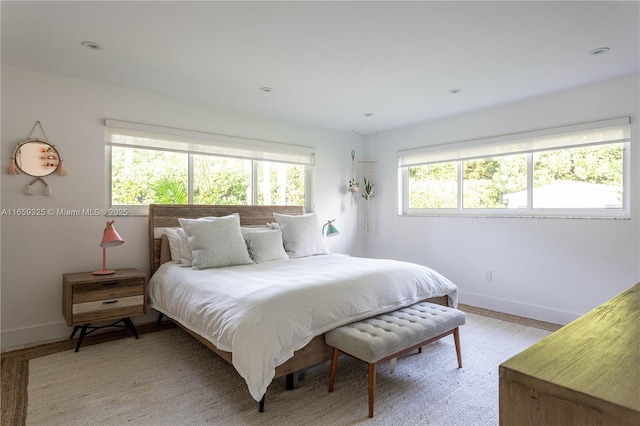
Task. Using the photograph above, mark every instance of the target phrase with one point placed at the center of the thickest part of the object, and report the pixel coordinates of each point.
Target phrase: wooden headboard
(166, 215)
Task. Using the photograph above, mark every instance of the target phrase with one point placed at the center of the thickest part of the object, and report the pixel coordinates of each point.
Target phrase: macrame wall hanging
(37, 158)
(368, 191)
(354, 185)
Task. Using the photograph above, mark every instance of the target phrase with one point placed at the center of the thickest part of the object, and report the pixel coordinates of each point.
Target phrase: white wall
(549, 269)
(36, 251)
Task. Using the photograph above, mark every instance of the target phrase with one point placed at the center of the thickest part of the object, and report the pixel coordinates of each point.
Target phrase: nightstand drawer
(88, 292)
(109, 308)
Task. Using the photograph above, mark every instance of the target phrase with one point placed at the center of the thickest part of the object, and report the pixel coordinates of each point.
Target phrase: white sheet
(263, 313)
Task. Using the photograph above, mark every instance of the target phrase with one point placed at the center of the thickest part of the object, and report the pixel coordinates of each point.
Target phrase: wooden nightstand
(88, 298)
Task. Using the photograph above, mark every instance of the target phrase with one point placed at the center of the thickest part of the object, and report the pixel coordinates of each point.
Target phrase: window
(151, 164)
(579, 170)
(433, 186)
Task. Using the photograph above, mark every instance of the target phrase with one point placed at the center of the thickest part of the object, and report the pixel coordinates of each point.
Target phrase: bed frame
(166, 215)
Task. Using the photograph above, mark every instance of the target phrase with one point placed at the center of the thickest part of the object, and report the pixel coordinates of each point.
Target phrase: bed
(268, 318)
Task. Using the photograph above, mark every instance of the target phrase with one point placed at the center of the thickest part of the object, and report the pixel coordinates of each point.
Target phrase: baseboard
(25, 337)
(516, 319)
(22, 337)
(520, 309)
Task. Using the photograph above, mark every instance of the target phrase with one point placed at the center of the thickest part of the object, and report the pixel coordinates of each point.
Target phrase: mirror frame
(44, 156)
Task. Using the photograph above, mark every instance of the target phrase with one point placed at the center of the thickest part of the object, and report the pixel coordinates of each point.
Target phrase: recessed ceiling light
(455, 91)
(368, 114)
(599, 51)
(266, 89)
(91, 45)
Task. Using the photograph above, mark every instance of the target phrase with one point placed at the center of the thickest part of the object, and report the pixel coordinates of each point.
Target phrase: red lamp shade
(110, 238)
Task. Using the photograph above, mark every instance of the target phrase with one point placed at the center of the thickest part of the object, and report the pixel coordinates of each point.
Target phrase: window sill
(607, 215)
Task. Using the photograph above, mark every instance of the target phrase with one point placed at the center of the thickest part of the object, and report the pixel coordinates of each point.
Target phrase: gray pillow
(186, 257)
(216, 241)
(266, 246)
(301, 234)
(174, 243)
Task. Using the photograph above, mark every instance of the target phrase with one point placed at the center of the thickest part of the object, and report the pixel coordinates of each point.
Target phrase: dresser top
(596, 357)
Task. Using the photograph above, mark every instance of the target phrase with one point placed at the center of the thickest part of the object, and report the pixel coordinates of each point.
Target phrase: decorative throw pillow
(301, 234)
(185, 249)
(216, 241)
(174, 243)
(246, 229)
(266, 246)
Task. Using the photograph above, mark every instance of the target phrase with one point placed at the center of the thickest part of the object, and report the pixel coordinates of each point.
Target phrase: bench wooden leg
(456, 339)
(334, 367)
(372, 386)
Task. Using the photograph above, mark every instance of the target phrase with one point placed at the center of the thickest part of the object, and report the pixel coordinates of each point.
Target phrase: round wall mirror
(37, 158)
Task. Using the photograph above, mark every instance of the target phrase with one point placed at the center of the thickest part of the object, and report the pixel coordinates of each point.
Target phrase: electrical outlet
(488, 276)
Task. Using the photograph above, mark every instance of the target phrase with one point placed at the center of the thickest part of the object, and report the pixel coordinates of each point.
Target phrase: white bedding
(263, 313)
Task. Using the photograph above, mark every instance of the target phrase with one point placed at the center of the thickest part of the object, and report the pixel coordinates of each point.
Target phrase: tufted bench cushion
(389, 335)
(373, 339)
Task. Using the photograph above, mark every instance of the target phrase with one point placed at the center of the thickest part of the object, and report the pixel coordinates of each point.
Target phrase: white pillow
(216, 241)
(185, 249)
(265, 246)
(246, 229)
(301, 234)
(174, 243)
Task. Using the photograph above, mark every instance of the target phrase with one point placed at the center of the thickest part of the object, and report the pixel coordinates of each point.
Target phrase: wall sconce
(328, 230)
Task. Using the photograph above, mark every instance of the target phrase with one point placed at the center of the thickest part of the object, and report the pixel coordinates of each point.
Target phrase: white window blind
(592, 133)
(129, 134)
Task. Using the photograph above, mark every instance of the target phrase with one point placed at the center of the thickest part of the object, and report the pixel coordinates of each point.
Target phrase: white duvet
(263, 313)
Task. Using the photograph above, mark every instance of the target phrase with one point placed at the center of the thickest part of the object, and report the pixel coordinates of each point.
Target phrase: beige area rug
(168, 378)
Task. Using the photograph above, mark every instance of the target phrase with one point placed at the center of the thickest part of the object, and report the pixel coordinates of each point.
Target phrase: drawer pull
(109, 302)
(107, 284)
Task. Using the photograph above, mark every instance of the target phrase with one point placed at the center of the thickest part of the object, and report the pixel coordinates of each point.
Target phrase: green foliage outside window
(486, 181)
(599, 164)
(146, 176)
(138, 175)
(168, 191)
(433, 186)
(280, 184)
(221, 181)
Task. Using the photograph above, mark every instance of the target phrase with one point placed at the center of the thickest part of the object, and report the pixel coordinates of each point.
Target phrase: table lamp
(331, 230)
(110, 238)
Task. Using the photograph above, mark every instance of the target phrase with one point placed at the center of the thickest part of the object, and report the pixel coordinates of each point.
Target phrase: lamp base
(104, 272)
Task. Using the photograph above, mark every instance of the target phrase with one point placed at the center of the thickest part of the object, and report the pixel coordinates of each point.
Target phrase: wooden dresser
(586, 373)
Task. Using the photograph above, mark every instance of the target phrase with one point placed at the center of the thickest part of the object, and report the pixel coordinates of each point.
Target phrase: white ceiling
(329, 63)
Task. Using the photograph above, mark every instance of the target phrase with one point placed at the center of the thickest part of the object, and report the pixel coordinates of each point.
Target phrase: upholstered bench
(389, 335)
